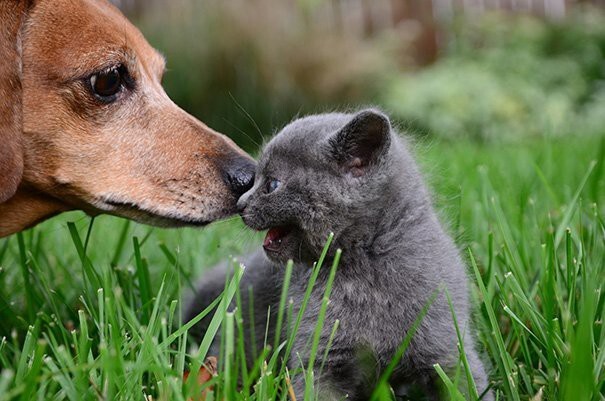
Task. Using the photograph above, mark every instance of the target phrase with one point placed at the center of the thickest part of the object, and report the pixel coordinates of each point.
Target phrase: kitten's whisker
(227, 220)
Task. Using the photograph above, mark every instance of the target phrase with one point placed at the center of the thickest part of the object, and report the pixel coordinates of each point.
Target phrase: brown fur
(140, 157)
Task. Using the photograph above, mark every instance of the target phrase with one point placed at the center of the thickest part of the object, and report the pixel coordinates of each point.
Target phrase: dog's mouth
(276, 237)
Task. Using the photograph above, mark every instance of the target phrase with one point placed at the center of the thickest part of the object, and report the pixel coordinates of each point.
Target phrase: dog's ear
(361, 142)
(11, 129)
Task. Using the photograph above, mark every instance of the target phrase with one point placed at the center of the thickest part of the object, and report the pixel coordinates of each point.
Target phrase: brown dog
(85, 124)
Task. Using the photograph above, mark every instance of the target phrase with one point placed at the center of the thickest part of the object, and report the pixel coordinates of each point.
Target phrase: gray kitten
(351, 174)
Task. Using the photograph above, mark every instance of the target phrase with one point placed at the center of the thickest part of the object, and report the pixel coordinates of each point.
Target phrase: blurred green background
(483, 69)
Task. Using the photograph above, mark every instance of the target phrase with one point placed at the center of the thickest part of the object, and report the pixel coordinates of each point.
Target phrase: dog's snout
(240, 176)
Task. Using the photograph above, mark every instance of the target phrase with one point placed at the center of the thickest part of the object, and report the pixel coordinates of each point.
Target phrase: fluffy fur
(351, 174)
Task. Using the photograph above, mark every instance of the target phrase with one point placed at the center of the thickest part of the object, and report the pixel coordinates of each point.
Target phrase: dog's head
(84, 120)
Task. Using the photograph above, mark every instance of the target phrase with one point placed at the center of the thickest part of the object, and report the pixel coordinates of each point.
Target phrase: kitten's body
(351, 175)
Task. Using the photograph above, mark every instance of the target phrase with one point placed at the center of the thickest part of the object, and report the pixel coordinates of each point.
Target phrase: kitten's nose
(240, 176)
(242, 202)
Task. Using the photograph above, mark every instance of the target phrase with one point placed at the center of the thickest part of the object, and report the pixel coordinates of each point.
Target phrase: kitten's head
(325, 173)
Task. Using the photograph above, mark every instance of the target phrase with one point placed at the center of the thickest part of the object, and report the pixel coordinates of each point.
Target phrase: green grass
(90, 310)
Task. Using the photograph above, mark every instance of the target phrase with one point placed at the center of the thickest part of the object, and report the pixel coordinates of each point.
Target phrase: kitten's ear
(361, 142)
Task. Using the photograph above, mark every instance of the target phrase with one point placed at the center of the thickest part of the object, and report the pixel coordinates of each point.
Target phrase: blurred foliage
(502, 76)
(247, 67)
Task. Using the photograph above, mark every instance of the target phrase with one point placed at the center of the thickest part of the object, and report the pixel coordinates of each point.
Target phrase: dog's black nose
(240, 176)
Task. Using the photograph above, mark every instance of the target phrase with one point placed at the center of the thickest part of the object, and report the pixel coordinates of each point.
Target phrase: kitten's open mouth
(275, 237)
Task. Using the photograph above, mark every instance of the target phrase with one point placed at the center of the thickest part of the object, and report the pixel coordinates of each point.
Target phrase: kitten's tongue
(274, 237)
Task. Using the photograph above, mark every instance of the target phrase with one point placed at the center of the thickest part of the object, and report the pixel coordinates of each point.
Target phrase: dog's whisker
(247, 115)
(241, 131)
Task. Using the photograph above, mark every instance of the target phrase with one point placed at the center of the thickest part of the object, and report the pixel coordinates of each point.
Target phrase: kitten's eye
(272, 185)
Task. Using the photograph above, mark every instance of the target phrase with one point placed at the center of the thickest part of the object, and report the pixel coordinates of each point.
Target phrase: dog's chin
(164, 221)
(165, 217)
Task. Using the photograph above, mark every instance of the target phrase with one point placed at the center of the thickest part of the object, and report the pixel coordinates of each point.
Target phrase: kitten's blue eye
(272, 185)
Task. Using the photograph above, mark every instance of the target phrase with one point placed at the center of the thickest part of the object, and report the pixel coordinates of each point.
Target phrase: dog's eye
(107, 84)
(272, 185)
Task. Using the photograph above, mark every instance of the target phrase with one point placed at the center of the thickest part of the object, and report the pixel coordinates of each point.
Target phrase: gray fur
(351, 174)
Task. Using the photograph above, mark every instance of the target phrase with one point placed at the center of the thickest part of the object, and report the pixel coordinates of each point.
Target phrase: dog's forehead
(83, 35)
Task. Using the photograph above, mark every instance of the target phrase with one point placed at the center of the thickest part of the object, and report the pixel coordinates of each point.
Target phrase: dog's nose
(240, 176)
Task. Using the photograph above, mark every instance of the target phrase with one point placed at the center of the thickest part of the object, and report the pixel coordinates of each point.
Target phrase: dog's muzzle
(239, 175)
